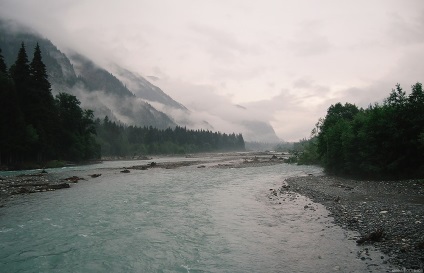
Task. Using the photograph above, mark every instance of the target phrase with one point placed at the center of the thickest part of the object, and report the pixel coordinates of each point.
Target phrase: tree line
(34, 125)
(382, 141)
(37, 127)
(121, 140)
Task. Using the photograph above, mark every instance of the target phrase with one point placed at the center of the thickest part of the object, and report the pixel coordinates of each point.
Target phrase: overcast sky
(286, 61)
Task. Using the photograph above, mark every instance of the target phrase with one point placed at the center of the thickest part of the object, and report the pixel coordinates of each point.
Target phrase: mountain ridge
(122, 95)
(94, 86)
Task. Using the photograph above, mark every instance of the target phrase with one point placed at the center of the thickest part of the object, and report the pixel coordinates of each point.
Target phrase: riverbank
(43, 181)
(387, 214)
(33, 183)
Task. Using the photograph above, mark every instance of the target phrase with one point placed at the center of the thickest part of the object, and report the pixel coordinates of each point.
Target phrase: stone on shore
(369, 207)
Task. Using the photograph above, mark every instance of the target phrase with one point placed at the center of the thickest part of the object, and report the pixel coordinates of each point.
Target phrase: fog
(285, 62)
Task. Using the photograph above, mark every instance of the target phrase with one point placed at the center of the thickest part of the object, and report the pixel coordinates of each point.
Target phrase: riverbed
(214, 215)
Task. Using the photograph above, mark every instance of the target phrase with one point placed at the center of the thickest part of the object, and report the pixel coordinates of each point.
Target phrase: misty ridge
(125, 96)
(40, 130)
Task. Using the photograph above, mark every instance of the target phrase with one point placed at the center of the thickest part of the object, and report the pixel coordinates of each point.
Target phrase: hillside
(94, 86)
(123, 95)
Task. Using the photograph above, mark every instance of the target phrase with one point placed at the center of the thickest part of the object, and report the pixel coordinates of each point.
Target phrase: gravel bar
(387, 214)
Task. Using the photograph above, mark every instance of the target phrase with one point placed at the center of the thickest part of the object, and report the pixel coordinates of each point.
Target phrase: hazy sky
(286, 61)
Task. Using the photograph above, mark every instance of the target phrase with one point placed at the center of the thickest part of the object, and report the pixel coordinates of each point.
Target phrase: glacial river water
(186, 219)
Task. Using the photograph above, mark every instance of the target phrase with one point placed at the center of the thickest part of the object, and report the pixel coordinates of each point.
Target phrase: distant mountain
(122, 95)
(94, 86)
(267, 133)
(96, 78)
(144, 89)
(59, 67)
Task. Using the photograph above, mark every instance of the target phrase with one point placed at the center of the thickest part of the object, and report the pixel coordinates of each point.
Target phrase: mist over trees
(36, 127)
(120, 140)
(382, 141)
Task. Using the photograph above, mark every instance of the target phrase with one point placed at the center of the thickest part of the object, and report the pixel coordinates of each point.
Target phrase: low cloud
(308, 41)
(285, 63)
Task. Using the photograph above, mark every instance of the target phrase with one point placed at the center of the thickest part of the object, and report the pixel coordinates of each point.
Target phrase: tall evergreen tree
(42, 106)
(38, 72)
(12, 126)
(3, 67)
(20, 73)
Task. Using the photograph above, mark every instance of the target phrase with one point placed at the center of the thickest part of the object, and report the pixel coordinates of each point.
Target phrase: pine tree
(38, 72)
(42, 111)
(12, 126)
(20, 73)
(3, 67)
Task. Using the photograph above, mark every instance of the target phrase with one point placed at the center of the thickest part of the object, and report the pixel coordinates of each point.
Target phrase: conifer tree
(42, 114)
(3, 67)
(38, 72)
(12, 126)
(20, 73)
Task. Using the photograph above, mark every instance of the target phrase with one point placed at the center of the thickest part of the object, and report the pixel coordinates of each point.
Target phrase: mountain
(144, 89)
(125, 96)
(267, 134)
(95, 87)
(59, 67)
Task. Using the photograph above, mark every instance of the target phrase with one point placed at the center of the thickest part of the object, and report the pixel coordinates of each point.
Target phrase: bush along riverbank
(387, 214)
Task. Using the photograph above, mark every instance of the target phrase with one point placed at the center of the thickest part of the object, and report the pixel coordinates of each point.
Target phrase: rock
(74, 179)
(375, 236)
(125, 171)
(58, 186)
(152, 164)
(95, 175)
(21, 190)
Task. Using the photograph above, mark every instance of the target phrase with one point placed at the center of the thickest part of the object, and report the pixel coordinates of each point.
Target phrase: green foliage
(55, 164)
(382, 141)
(305, 152)
(34, 126)
(37, 128)
(76, 141)
(13, 135)
(3, 67)
(119, 140)
(309, 156)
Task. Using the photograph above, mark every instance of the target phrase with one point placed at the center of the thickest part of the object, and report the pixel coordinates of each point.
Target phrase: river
(186, 219)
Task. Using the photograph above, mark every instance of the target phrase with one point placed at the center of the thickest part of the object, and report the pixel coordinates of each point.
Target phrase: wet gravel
(388, 214)
(32, 183)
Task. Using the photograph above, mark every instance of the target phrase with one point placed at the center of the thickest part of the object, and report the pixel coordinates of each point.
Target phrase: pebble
(367, 207)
